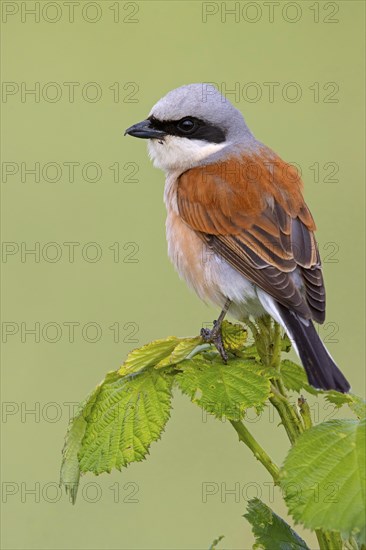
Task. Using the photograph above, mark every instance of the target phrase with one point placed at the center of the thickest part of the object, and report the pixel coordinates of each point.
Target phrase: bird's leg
(214, 335)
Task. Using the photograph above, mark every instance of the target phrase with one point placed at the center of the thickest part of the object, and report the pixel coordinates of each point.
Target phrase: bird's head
(188, 125)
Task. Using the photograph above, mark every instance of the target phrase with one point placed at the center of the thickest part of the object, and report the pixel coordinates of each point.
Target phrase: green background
(168, 45)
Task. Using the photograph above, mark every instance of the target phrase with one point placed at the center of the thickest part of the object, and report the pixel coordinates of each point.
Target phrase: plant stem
(267, 336)
(329, 540)
(276, 352)
(305, 412)
(260, 454)
(351, 544)
(289, 417)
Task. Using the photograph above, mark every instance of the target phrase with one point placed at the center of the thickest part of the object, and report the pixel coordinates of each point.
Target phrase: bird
(238, 229)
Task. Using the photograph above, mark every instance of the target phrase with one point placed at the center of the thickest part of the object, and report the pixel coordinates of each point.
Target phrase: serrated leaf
(323, 477)
(70, 469)
(294, 377)
(234, 336)
(355, 403)
(285, 343)
(358, 407)
(181, 351)
(223, 390)
(149, 355)
(129, 413)
(250, 352)
(270, 531)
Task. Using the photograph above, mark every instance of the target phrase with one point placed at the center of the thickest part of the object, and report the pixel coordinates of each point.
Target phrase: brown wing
(251, 212)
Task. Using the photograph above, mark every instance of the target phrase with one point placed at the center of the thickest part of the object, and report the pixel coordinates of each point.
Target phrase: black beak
(145, 130)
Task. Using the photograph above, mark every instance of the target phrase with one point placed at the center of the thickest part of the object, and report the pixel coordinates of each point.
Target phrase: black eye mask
(189, 127)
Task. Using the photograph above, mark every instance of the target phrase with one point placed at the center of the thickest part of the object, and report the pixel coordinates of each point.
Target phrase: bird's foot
(214, 336)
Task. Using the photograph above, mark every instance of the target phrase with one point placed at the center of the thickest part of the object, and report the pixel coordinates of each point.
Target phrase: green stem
(329, 540)
(351, 544)
(289, 416)
(267, 336)
(276, 352)
(305, 412)
(260, 454)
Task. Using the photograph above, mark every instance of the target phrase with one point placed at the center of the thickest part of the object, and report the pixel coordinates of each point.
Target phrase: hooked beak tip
(145, 130)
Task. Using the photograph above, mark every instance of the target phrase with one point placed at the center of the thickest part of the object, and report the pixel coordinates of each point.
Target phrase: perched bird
(238, 229)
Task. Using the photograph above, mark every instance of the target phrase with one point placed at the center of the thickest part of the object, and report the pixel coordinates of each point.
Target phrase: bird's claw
(214, 336)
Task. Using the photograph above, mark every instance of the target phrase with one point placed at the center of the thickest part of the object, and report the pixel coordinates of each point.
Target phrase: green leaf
(70, 469)
(181, 351)
(128, 414)
(271, 532)
(285, 343)
(233, 336)
(148, 355)
(294, 377)
(116, 425)
(223, 390)
(355, 403)
(250, 352)
(358, 407)
(323, 477)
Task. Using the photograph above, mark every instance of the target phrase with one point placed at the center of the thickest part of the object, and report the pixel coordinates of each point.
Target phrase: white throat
(177, 153)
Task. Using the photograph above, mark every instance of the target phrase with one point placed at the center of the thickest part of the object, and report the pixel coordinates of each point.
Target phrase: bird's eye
(186, 125)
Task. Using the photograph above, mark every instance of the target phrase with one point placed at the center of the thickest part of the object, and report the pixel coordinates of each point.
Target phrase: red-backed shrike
(238, 229)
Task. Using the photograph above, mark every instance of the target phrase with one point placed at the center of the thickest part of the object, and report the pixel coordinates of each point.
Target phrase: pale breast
(209, 275)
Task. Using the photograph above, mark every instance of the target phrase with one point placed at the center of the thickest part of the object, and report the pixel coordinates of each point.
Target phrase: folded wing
(251, 211)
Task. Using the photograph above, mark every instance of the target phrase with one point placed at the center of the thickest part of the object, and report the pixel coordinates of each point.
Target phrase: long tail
(321, 370)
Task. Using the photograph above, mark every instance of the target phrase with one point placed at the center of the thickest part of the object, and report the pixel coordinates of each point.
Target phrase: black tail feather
(321, 370)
